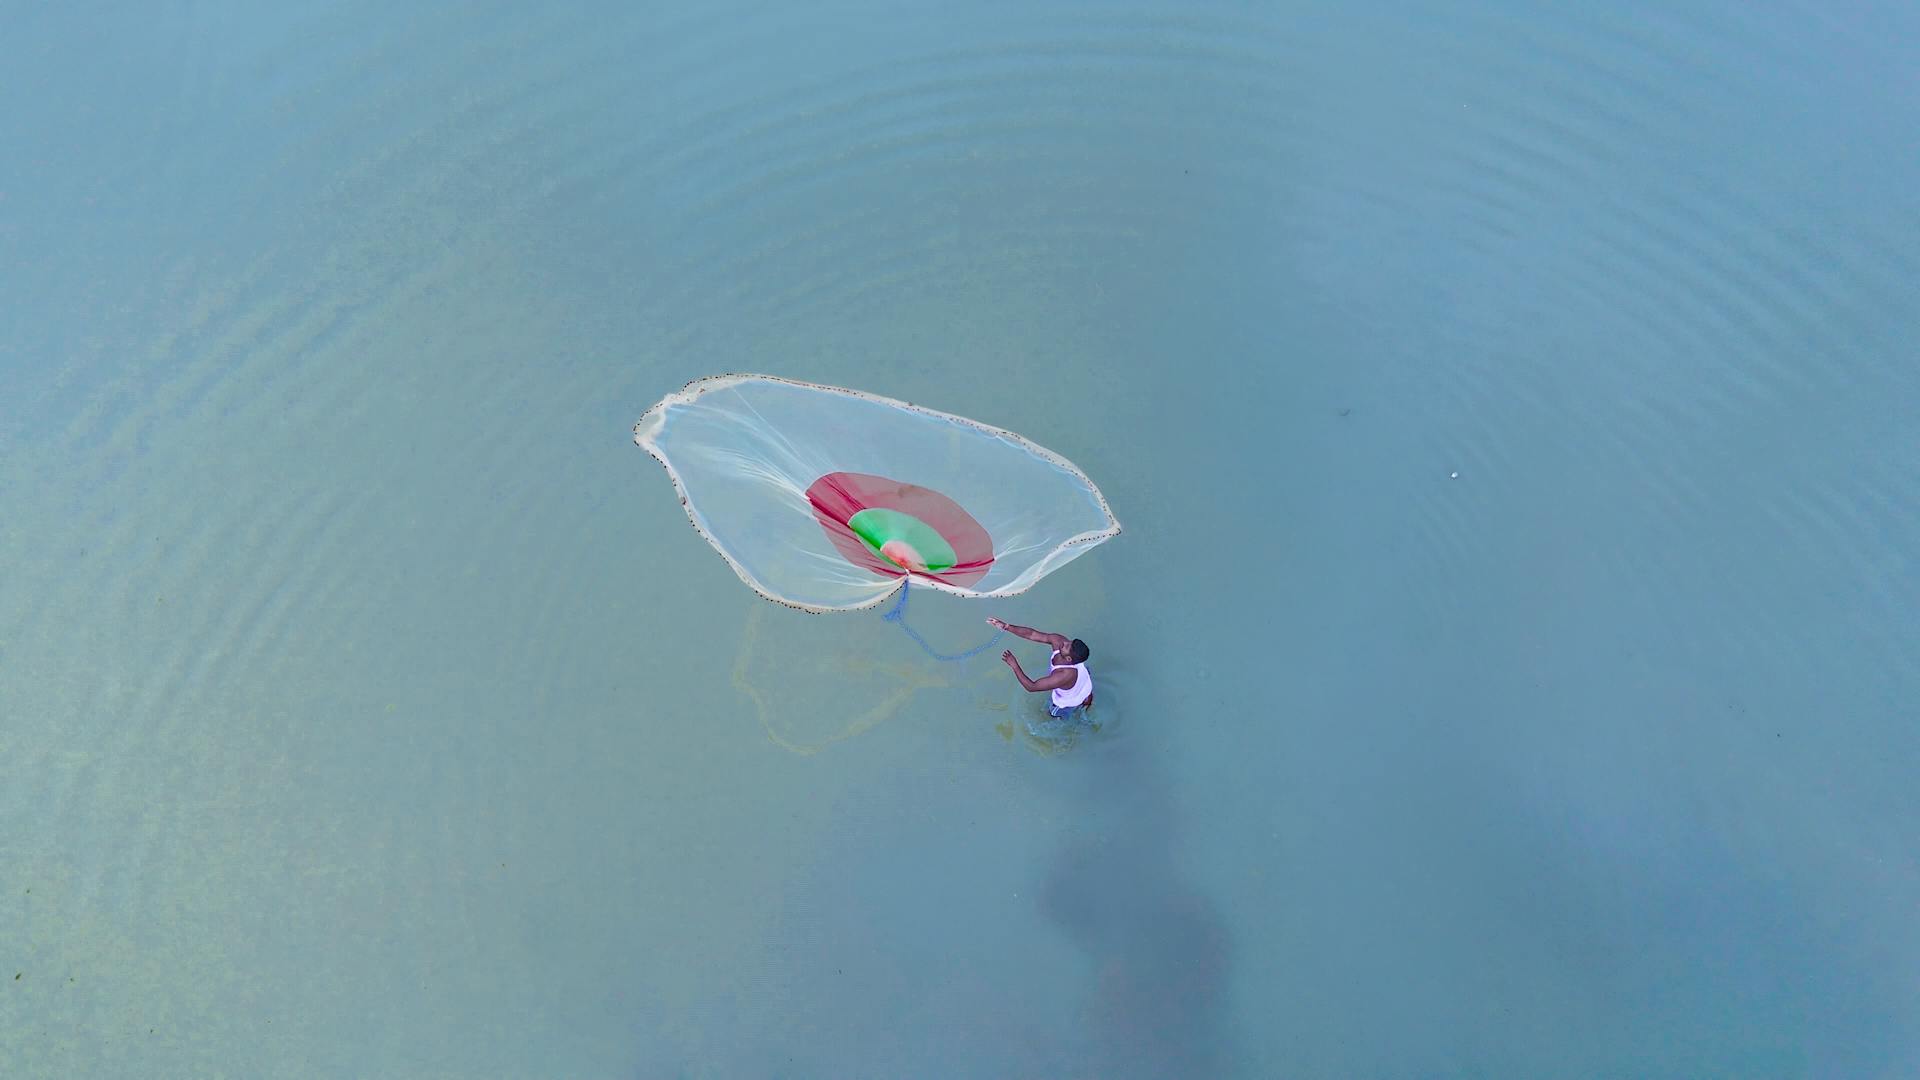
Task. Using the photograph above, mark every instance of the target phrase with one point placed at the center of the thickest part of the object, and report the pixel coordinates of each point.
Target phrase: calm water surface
(1507, 670)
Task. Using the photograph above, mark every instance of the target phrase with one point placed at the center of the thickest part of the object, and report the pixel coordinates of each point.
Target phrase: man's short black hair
(1077, 651)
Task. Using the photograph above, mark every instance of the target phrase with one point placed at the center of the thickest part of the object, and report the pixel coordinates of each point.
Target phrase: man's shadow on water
(1159, 950)
(1158, 953)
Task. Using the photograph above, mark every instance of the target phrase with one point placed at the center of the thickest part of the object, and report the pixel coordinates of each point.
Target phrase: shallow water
(370, 708)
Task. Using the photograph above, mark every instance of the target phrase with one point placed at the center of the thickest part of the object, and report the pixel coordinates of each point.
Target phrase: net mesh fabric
(774, 473)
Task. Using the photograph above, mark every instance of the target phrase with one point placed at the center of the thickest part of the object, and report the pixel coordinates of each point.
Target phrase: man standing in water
(1067, 676)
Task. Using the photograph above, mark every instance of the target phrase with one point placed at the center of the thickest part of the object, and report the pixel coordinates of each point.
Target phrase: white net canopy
(828, 499)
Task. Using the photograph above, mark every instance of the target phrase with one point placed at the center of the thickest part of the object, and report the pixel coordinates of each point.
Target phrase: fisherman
(1067, 675)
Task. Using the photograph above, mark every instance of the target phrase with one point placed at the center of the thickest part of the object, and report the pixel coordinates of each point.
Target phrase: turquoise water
(371, 710)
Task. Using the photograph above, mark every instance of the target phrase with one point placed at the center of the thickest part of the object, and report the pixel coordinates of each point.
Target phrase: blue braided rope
(899, 615)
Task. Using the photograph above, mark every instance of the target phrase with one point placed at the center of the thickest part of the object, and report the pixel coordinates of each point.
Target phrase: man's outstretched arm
(1058, 641)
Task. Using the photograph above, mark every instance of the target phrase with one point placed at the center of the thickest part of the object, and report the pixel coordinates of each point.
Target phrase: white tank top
(1068, 696)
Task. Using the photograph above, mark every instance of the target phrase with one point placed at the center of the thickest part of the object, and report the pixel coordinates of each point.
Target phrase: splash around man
(1067, 676)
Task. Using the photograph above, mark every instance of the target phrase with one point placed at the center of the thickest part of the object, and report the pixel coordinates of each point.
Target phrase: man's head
(1075, 652)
